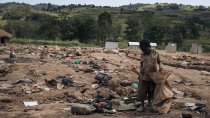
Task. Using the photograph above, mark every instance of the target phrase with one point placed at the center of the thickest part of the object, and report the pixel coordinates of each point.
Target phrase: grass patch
(123, 44)
(188, 43)
(47, 42)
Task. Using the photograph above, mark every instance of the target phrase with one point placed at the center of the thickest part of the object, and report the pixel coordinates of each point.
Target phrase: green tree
(17, 13)
(104, 27)
(116, 32)
(174, 6)
(193, 29)
(22, 29)
(87, 30)
(132, 31)
(50, 29)
(67, 30)
(147, 20)
(174, 35)
(159, 7)
(194, 32)
(155, 34)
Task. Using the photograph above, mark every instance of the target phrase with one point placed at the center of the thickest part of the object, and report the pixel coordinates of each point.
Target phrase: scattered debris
(24, 80)
(126, 107)
(28, 90)
(78, 53)
(205, 73)
(178, 81)
(23, 60)
(103, 79)
(6, 86)
(115, 88)
(37, 74)
(125, 83)
(135, 85)
(186, 116)
(12, 54)
(66, 81)
(195, 106)
(60, 82)
(82, 109)
(178, 94)
(2, 62)
(76, 61)
(30, 103)
(4, 70)
(51, 82)
(107, 93)
(95, 86)
(5, 99)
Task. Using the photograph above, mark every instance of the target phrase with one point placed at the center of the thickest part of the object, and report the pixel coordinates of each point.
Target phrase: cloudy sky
(111, 2)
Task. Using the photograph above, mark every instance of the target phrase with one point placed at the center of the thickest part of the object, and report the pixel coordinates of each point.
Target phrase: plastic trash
(82, 109)
(24, 80)
(30, 103)
(135, 85)
(76, 62)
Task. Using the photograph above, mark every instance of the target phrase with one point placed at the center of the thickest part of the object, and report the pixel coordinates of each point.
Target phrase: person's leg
(150, 92)
(142, 93)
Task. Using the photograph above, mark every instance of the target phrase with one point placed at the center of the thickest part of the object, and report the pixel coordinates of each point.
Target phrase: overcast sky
(110, 2)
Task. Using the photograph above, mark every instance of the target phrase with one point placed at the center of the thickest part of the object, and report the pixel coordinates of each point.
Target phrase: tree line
(23, 23)
(86, 29)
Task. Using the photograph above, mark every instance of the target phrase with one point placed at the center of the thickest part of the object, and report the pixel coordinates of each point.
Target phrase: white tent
(153, 45)
(133, 45)
(111, 45)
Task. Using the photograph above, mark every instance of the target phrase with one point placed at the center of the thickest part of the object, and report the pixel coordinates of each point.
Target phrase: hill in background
(161, 23)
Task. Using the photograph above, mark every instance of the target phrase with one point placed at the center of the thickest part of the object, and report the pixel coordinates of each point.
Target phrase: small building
(133, 45)
(196, 49)
(4, 36)
(171, 48)
(153, 45)
(111, 45)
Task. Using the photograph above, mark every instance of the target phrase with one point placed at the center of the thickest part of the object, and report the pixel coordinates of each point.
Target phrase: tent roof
(134, 43)
(5, 34)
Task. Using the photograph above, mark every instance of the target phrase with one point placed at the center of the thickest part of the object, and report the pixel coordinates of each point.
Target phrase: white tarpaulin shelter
(171, 48)
(111, 45)
(196, 48)
(153, 45)
(135, 45)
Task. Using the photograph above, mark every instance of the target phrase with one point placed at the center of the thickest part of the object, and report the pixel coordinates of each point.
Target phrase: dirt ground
(52, 103)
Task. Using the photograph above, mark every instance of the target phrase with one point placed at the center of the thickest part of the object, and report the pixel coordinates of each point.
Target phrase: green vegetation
(89, 24)
(47, 42)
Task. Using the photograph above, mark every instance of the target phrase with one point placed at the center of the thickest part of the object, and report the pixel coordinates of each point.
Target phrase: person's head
(145, 46)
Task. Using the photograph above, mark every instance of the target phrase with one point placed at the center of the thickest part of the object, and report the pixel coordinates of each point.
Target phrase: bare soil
(118, 65)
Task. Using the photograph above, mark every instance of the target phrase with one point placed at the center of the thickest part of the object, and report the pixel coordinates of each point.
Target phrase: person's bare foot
(149, 103)
(141, 108)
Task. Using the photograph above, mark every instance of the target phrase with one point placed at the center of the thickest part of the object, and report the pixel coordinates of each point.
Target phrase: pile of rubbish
(101, 92)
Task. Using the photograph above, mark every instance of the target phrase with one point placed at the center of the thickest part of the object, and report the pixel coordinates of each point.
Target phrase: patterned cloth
(145, 90)
(149, 64)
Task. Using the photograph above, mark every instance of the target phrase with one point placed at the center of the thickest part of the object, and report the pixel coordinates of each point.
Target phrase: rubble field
(31, 87)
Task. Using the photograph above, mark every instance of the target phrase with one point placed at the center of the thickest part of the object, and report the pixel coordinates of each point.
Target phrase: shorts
(145, 90)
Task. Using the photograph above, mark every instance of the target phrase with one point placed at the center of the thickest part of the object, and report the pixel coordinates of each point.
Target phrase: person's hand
(139, 77)
(142, 71)
(160, 69)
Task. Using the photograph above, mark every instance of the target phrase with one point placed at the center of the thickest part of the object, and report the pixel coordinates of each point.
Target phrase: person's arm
(141, 67)
(159, 63)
